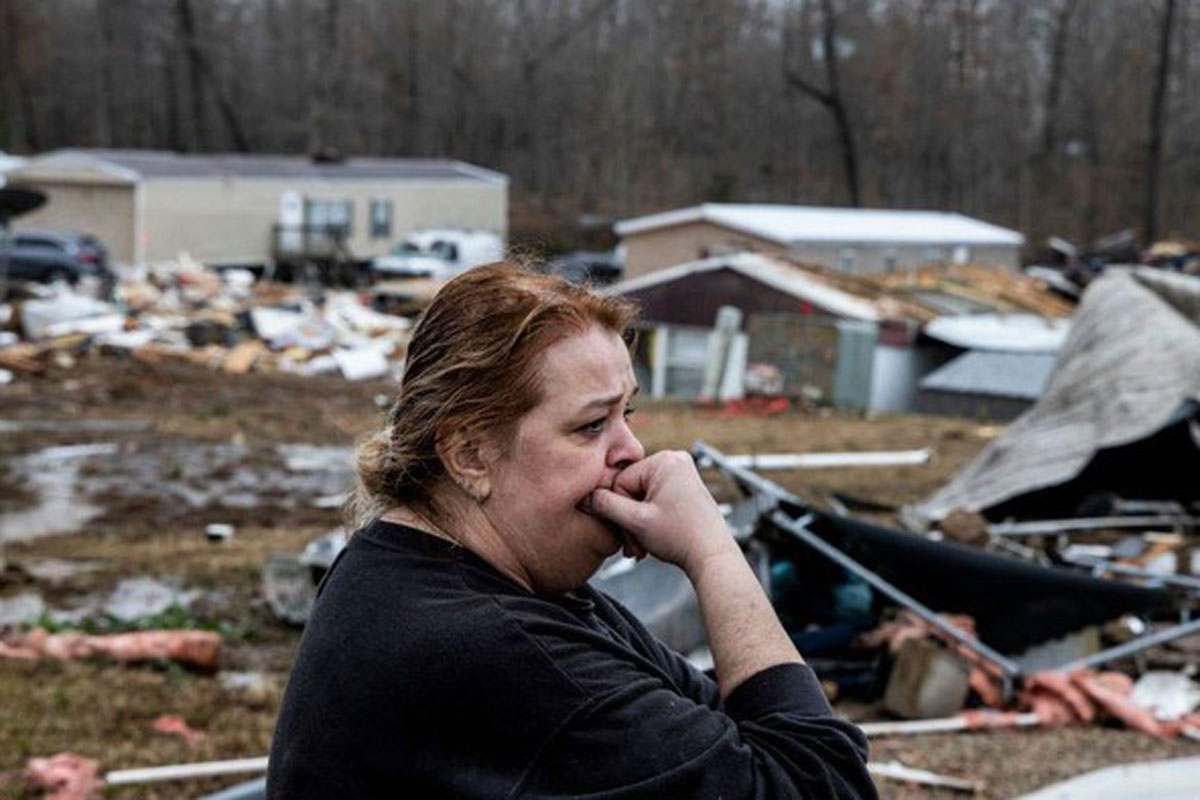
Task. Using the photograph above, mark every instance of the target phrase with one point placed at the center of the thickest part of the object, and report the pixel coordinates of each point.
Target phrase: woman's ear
(468, 459)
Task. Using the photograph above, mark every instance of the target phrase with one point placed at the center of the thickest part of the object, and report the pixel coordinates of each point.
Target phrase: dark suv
(50, 256)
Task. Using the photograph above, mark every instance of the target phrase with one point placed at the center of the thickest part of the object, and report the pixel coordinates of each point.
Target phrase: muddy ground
(170, 449)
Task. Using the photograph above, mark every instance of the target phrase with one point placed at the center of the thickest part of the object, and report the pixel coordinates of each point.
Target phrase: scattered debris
(1117, 419)
(320, 553)
(175, 725)
(937, 660)
(255, 688)
(66, 312)
(198, 649)
(1167, 695)
(183, 312)
(290, 581)
(361, 363)
(921, 777)
(66, 776)
(927, 681)
(288, 588)
(219, 531)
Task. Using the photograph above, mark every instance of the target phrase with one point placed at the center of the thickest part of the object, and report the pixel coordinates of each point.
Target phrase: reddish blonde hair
(473, 365)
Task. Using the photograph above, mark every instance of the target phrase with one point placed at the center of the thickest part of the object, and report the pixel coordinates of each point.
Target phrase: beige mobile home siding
(105, 211)
(657, 249)
(231, 219)
(872, 258)
(652, 250)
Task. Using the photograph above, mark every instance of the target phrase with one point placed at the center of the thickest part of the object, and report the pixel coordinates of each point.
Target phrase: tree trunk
(187, 35)
(832, 99)
(1158, 122)
(104, 75)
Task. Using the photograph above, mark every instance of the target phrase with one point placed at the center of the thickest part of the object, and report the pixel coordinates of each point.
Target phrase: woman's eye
(629, 412)
(595, 426)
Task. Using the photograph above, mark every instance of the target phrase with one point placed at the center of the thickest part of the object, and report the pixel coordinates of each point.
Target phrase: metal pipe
(797, 528)
(1102, 565)
(1129, 648)
(175, 772)
(769, 461)
(1052, 526)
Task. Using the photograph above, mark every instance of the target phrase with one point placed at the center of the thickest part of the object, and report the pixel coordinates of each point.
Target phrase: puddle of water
(73, 426)
(315, 458)
(145, 597)
(20, 608)
(174, 474)
(57, 570)
(53, 474)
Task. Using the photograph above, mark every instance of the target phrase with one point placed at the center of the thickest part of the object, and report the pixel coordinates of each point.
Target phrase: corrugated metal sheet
(1022, 375)
(1128, 365)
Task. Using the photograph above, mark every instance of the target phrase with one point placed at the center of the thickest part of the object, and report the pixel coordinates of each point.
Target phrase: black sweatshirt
(424, 672)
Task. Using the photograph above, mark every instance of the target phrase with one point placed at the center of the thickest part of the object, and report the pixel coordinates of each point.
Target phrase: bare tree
(832, 99)
(1022, 113)
(1158, 121)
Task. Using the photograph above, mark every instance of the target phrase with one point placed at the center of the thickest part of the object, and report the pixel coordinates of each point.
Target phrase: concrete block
(927, 681)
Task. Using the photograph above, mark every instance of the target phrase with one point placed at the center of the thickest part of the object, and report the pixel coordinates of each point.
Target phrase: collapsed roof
(1121, 413)
(917, 296)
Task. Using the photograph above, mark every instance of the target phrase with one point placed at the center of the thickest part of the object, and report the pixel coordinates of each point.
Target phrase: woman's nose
(626, 450)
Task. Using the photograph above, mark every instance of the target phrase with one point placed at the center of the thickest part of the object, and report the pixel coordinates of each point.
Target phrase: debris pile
(995, 641)
(225, 321)
(200, 650)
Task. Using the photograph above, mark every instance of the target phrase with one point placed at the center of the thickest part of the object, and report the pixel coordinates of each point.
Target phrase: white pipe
(897, 771)
(175, 772)
(893, 458)
(944, 725)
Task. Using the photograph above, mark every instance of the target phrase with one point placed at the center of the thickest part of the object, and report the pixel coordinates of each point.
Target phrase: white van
(439, 253)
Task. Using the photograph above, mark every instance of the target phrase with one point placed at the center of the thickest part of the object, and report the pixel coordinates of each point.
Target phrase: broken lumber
(198, 649)
(242, 357)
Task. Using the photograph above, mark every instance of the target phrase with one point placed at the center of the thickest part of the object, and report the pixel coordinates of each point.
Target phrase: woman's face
(574, 441)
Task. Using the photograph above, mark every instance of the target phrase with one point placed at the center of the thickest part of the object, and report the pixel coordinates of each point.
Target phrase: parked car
(49, 256)
(439, 253)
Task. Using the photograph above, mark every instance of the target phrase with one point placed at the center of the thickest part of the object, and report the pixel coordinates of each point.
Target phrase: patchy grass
(105, 712)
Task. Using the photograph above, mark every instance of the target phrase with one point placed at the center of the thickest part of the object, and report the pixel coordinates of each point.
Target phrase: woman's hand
(664, 506)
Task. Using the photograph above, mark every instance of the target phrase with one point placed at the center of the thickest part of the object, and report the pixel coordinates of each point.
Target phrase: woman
(456, 649)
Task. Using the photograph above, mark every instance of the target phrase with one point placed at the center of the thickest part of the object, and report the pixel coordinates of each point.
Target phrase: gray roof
(165, 164)
(1022, 375)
